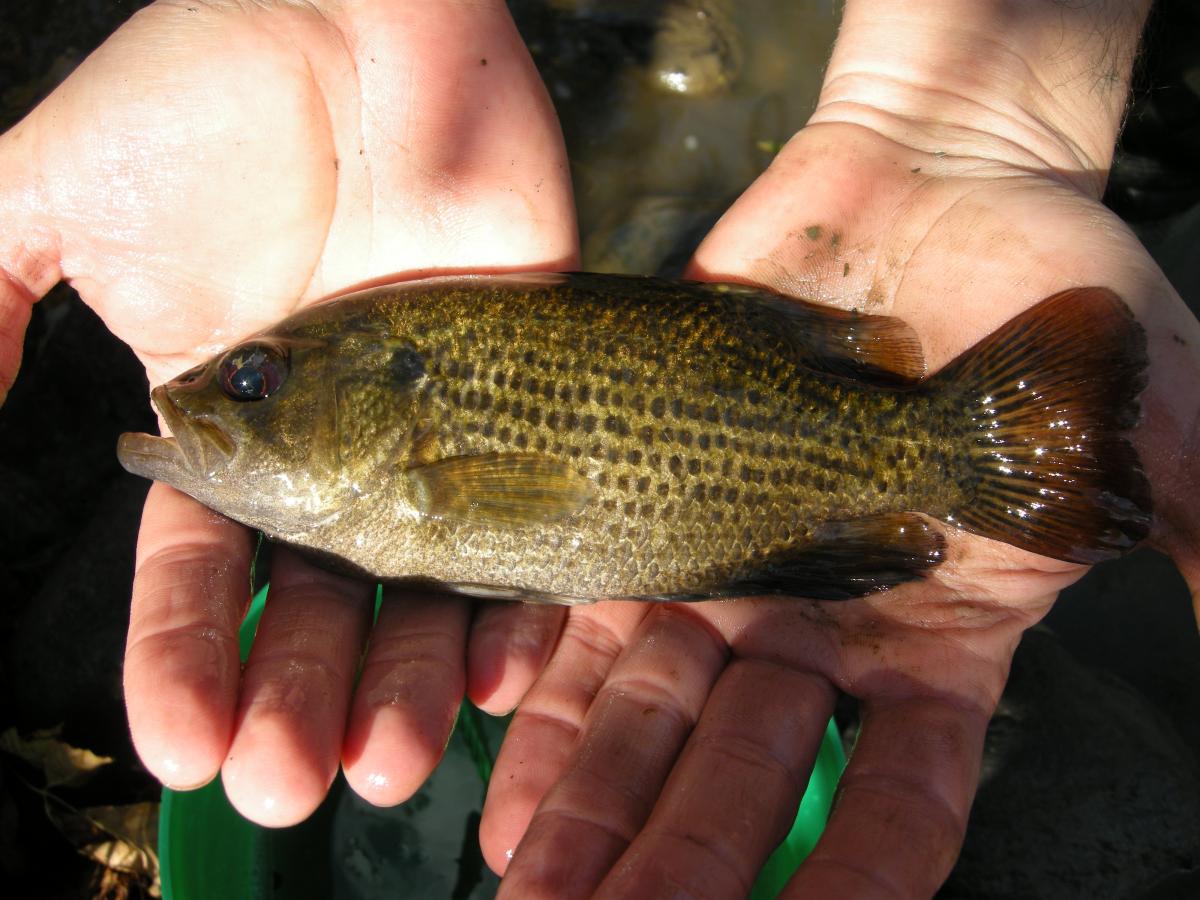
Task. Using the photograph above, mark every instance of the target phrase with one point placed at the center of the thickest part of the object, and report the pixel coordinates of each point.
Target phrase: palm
(208, 170)
(278, 155)
(740, 690)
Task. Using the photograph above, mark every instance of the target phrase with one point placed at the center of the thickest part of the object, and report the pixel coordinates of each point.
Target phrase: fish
(567, 438)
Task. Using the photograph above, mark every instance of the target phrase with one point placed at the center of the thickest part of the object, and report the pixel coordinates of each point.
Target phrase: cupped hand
(667, 746)
(208, 170)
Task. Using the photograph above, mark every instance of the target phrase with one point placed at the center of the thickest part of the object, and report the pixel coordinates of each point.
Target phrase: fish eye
(253, 372)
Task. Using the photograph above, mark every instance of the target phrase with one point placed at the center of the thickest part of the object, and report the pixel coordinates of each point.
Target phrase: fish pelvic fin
(1049, 395)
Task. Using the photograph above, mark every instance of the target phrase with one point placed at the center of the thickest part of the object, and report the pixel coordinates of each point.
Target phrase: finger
(631, 737)
(902, 805)
(408, 694)
(190, 590)
(295, 692)
(733, 794)
(510, 644)
(543, 732)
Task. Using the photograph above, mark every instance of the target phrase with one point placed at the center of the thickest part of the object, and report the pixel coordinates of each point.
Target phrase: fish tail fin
(1049, 396)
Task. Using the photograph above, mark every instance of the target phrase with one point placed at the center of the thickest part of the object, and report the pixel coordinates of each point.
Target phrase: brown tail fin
(1049, 395)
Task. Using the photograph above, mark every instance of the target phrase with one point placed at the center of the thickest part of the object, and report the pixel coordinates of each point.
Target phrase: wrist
(1030, 83)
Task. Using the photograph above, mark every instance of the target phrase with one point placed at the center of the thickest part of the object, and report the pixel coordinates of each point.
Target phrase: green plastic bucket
(426, 848)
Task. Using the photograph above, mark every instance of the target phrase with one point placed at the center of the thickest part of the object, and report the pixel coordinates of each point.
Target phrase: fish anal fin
(512, 490)
(850, 558)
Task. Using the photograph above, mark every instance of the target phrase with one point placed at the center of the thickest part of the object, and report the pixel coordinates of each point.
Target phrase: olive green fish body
(571, 438)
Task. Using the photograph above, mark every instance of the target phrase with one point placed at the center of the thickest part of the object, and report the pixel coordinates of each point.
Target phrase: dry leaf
(61, 763)
(136, 822)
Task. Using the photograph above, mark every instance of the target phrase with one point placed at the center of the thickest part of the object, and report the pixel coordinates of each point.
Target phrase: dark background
(1092, 779)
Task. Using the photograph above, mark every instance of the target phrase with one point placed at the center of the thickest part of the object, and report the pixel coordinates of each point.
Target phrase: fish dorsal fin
(877, 349)
(512, 490)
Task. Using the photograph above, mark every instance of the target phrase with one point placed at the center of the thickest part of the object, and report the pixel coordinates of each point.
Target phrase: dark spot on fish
(517, 410)
(589, 423)
(700, 492)
(675, 465)
(521, 440)
(552, 420)
(533, 415)
(704, 440)
(812, 232)
(662, 488)
(685, 437)
(610, 505)
(540, 444)
(505, 434)
(406, 366)
(489, 429)
(693, 466)
(845, 269)
(658, 406)
(1177, 339)
(584, 392)
(634, 457)
(643, 484)
(646, 434)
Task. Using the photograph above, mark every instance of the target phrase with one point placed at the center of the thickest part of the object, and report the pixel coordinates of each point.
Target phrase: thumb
(29, 249)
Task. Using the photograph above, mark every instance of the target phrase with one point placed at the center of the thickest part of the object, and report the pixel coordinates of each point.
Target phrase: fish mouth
(199, 450)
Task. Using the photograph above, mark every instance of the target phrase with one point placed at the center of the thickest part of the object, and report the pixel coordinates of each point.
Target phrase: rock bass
(567, 438)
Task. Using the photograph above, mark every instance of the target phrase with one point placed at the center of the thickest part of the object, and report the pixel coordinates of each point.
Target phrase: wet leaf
(58, 761)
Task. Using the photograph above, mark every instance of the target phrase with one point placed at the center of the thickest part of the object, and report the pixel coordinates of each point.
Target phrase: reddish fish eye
(253, 372)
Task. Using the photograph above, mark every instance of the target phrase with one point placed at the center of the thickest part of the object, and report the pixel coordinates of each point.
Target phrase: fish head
(282, 431)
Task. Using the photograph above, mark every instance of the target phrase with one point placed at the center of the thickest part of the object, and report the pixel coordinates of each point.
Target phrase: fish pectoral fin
(877, 349)
(513, 490)
(851, 558)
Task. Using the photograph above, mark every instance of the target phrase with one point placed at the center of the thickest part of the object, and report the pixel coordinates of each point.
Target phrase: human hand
(667, 745)
(208, 170)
